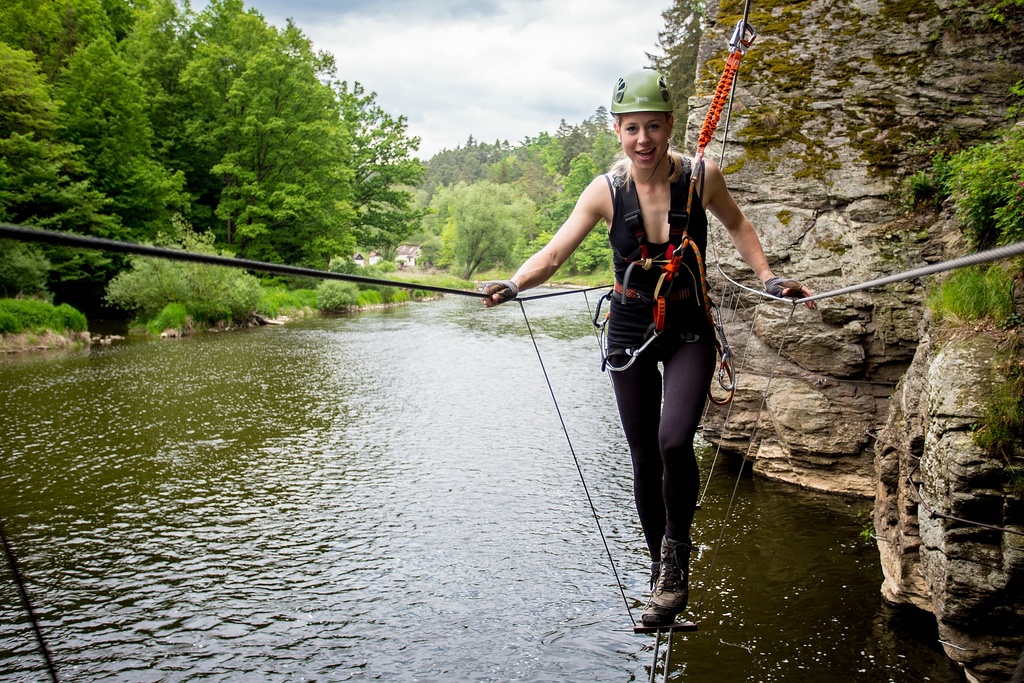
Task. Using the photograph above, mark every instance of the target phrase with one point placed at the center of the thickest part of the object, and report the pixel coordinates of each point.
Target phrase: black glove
(505, 289)
(776, 286)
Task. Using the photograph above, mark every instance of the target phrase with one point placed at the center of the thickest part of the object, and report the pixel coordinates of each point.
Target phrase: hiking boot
(655, 571)
(671, 590)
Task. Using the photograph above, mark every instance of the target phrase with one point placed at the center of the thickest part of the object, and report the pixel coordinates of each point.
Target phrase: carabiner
(739, 41)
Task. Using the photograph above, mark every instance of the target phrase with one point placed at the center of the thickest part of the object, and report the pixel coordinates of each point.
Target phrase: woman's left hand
(790, 289)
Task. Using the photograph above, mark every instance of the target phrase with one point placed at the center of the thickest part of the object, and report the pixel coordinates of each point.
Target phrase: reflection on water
(391, 497)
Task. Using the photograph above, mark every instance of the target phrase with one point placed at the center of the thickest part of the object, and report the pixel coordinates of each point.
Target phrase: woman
(680, 335)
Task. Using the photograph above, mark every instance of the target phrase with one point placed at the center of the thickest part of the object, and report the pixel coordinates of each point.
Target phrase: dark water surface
(391, 497)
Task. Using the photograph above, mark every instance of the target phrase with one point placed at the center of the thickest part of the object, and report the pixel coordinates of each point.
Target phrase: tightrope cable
(579, 467)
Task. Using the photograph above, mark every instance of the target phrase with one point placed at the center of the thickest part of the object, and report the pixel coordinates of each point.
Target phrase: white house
(406, 255)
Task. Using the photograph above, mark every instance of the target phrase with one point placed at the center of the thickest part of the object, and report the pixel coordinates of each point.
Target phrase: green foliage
(32, 315)
(1001, 431)
(55, 29)
(679, 43)
(211, 294)
(867, 531)
(975, 293)
(280, 300)
(23, 269)
(481, 224)
(333, 296)
(369, 297)
(384, 171)
(917, 189)
(468, 164)
(104, 115)
(986, 183)
(1005, 8)
(38, 171)
(172, 317)
(281, 176)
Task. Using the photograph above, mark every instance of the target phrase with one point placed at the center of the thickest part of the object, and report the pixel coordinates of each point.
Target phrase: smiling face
(644, 137)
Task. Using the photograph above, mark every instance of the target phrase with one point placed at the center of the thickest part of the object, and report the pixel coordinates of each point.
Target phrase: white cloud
(504, 71)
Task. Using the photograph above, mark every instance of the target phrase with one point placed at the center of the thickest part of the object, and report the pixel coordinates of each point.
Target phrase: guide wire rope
(24, 233)
(576, 460)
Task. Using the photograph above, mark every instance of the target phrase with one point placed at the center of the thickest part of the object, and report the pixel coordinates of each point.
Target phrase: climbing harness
(671, 265)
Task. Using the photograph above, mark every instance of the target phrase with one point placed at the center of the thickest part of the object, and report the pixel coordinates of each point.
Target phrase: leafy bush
(975, 294)
(918, 188)
(210, 294)
(278, 300)
(987, 186)
(369, 297)
(173, 317)
(32, 315)
(72, 318)
(334, 296)
(23, 269)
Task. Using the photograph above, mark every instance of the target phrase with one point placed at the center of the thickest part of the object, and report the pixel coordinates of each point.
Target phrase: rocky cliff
(941, 502)
(836, 105)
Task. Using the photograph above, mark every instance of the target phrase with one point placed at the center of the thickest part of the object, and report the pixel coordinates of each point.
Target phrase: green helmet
(641, 90)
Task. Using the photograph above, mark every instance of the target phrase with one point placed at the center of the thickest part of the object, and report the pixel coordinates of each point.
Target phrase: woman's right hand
(499, 292)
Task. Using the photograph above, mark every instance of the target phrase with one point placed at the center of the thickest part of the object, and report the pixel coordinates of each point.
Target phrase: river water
(390, 496)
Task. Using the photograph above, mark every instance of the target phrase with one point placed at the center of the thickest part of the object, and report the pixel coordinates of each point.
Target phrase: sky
(494, 69)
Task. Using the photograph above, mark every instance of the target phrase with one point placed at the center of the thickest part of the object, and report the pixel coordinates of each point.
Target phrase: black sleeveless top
(632, 312)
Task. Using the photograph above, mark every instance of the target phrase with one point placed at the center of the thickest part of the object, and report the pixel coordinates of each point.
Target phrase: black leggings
(666, 480)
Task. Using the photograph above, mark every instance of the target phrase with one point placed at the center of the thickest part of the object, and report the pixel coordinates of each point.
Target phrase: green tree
(282, 175)
(385, 171)
(679, 44)
(54, 29)
(481, 222)
(23, 269)
(37, 171)
(35, 166)
(595, 252)
(103, 115)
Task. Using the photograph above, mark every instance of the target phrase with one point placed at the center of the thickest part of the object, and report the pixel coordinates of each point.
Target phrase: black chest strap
(678, 219)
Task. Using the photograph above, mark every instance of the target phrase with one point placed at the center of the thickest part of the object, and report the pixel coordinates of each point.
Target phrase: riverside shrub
(32, 315)
(210, 294)
(333, 296)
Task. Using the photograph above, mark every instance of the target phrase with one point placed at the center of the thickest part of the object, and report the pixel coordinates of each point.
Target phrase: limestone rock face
(835, 104)
(971, 577)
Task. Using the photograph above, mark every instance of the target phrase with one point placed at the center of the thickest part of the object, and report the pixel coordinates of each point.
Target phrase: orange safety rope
(732, 65)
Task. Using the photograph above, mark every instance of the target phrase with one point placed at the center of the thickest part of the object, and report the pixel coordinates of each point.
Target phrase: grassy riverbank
(28, 324)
